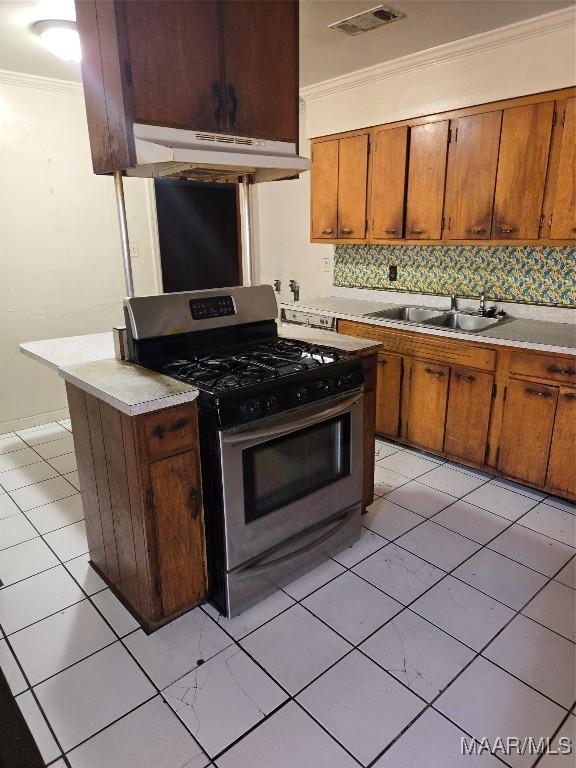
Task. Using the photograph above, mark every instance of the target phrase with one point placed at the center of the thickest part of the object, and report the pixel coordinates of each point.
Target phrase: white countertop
(88, 362)
(542, 335)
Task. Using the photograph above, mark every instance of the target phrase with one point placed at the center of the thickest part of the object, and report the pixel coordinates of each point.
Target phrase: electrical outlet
(134, 254)
(325, 263)
(393, 272)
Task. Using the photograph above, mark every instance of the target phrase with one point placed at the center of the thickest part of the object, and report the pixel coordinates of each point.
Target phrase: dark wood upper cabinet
(522, 164)
(389, 164)
(426, 180)
(205, 65)
(563, 225)
(260, 42)
(472, 165)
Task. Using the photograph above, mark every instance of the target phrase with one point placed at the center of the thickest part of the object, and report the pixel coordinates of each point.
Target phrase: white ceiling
(325, 53)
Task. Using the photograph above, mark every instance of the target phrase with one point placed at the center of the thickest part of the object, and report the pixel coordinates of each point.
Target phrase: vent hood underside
(174, 153)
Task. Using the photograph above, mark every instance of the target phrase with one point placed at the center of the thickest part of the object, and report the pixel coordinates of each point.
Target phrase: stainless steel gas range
(281, 434)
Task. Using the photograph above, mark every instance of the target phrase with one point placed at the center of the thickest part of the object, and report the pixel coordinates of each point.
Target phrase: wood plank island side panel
(324, 190)
(522, 165)
(112, 571)
(472, 175)
(87, 475)
(426, 180)
(389, 167)
(369, 365)
(118, 484)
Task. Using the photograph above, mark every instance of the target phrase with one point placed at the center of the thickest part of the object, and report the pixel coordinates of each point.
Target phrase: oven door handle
(306, 548)
(248, 436)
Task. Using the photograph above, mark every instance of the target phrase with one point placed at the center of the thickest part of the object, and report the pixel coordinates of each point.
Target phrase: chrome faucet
(277, 286)
(453, 302)
(295, 289)
(482, 305)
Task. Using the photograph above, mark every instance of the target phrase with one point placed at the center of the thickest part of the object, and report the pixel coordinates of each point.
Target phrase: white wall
(282, 238)
(60, 259)
(529, 57)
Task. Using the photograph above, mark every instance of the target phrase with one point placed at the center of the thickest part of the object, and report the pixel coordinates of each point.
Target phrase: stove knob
(330, 386)
(251, 408)
(302, 394)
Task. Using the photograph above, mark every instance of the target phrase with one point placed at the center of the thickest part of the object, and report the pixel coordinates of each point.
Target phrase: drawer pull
(563, 371)
(193, 503)
(415, 231)
(382, 362)
(570, 396)
(466, 377)
(538, 392)
(346, 231)
(432, 372)
(162, 430)
(327, 231)
(476, 230)
(390, 231)
(507, 230)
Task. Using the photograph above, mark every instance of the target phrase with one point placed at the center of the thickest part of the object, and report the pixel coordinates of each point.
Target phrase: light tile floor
(452, 617)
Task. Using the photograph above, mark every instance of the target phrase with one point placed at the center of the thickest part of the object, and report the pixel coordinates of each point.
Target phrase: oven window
(288, 468)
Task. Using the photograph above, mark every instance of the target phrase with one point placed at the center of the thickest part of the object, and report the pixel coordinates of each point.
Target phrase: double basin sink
(439, 318)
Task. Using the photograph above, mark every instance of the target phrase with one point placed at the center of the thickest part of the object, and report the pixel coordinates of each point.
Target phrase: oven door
(283, 474)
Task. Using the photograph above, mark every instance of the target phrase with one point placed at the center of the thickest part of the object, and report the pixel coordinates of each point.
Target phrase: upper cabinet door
(260, 41)
(175, 67)
(472, 175)
(426, 178)
(324, 190)
(564, 211)
(522, 166)
(352, 187)
(390, 153)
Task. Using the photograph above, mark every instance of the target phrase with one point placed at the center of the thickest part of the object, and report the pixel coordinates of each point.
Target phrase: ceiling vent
(367, 20)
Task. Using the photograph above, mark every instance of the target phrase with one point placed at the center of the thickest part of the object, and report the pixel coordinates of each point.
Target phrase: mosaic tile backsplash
(532, 275)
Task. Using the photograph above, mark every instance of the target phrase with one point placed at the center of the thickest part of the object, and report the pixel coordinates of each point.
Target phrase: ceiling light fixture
(60, 37)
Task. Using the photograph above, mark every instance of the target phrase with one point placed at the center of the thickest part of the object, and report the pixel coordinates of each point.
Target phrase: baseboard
(33, 421)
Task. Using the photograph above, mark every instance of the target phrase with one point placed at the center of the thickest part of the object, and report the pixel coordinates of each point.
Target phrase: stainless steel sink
(462, 321)
(408, 314)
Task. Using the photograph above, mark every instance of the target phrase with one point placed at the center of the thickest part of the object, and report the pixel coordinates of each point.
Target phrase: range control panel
(212, 306)
(298, 317)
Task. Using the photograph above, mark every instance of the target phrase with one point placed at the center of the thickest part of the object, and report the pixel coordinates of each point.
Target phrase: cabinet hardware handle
(563, 371)
(573, 229)
(327, 231)
(161, 429)
(382, 362)
(538, 392)
(476, 230)
(233, 106)
(415, 231)
(390, 231)
(507, 230)
(193, 503)
(217, 93)
(433, 372)
(466, 377)
(570, 396)
(346, 231)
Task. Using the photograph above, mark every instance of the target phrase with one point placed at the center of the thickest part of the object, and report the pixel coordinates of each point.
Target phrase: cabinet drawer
(170, 431)
(435, 348)
(561, 369)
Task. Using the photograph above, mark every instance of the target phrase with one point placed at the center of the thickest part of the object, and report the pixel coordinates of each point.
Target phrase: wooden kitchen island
(138, 453)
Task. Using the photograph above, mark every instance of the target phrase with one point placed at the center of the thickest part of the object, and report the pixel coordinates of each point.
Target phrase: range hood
(175, 153)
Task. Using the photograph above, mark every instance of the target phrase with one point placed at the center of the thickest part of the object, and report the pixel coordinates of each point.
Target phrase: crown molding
(26, 80)
(539, 26)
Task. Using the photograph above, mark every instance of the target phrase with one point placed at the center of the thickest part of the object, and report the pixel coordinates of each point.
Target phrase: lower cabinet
(388, 394)
(468, 414)
(427, 399)
(561, 475)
